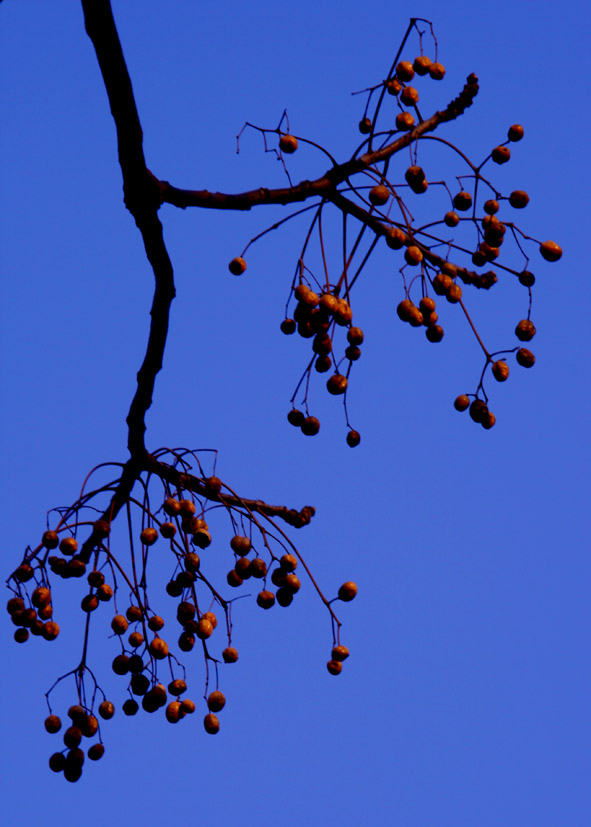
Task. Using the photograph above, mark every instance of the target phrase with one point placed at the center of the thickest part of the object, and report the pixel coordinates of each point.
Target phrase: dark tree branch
(141, 198)
(325, 186)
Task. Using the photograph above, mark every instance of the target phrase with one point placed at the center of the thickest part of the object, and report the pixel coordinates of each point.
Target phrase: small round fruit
(491, 206)
(104, 592)
(119, 624)
(427, 305)
(288, 326)
(187, 706)
(168, 530)
(265, 599)
(15, 604)
(347, 591)
(353, 438)
(335, 667)
(50, 539)
(186, 641)
(95, 579)
(405, 71)
(393, 86)
(237, 266)
(171, 507)
(451, 219)
(292, 582)
(257, 568)
(106, 710)
(395, 238)
(340, 653)
(295, 417)
(527, 279)
(120, 665)
(409, 96)
(41, 596)
(53, 723)
(355, 336)
(310, 426)
(488, 421)
(89, 603)
(230, 655)
(288, 144)
(353, 353)
(454, 293)
(437, 71)
(461, 402)
(21, 635)
(57, 762)
(525, 330)
(177, 687)
(404, 121)
(413, 255)
(50, 630)
(478, 410)
(379, 195)
(135, 639)
(211, 723)
(173, 712)
(204, 629)
(284, 597)
(422, 64)
(233, 579)
(216, 701)
(525, 358)
(462, 201)
(69, 546)
(130, 707)
(288, 562)
(500, 370)
(96, 752)
(501, 154)
(365, 126)
(519, 199)
(404, 309)
(72, 737)
(434, 333)
(550, 251)
(158, 648)
(337, 384)
(149, 536)
(515, 132)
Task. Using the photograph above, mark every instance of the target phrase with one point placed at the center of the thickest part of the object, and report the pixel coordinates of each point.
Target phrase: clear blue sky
(466, 697)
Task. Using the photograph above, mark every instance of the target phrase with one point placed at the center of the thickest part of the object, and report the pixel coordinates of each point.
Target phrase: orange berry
(379, 195)
(335, 667)
(237, 266)
(404, 121)
(211, 723)
(422, 64)
(347, 591)
(525, 357)
(500, 370)
(550, 251)
(515, 132)
(149, 536)
(405, 71)
(288, 144)
(501, 154)
(461, 402)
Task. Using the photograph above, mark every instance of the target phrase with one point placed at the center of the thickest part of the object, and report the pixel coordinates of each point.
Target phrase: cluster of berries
(406, 95)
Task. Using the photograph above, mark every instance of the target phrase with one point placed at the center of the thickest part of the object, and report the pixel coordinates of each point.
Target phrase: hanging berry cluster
(171, 518)
(371, 191)
(118, 582)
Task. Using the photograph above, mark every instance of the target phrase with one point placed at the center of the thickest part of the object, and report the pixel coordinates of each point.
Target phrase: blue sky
(465, 699)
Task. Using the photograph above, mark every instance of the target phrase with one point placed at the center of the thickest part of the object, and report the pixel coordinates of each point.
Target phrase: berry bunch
(440, 255)
(260, 552)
